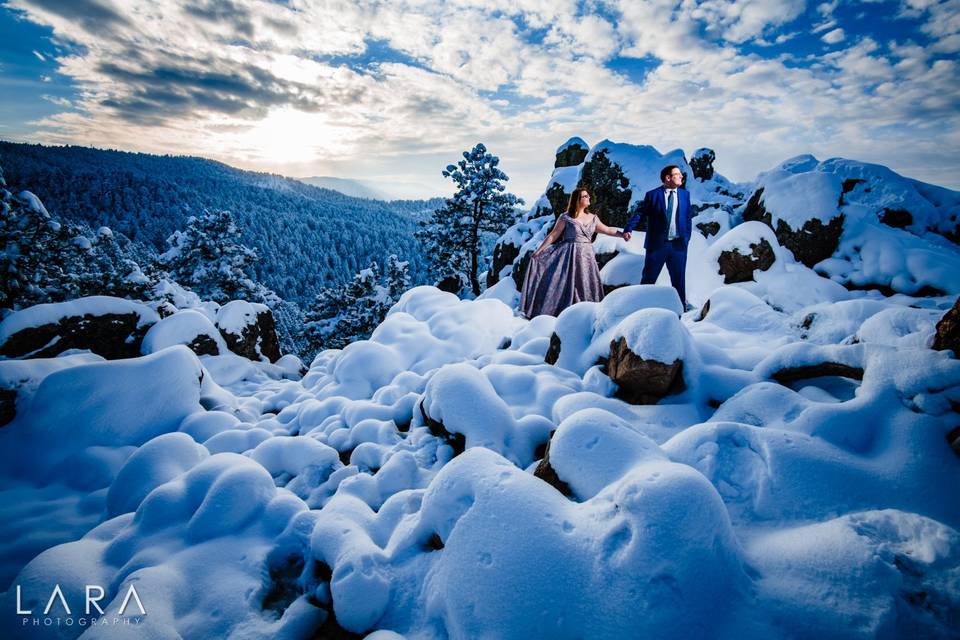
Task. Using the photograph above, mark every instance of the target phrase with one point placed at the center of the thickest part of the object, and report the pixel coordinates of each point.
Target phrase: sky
(395, 91)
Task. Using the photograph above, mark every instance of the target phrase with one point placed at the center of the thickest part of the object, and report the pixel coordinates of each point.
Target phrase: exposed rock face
(736, 267)
(792, 374)
(8, 406)
(609, 187)
(954, 439)
(549, 475)
(812, 243)
(553, 351)
(704, 310)
(570, 156)
(450, 284)
(559, 199)
(948, 331)
(899, 218)
(457, 441)
(256, 338)
(702, 164)
(204, 345)
(642, 381)
(520, 270)
(504, 253)
(708, 229)
(110, 335)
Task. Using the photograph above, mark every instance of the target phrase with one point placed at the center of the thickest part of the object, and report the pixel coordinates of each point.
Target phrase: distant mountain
(307, 236)
(346, 186)
(386, 190)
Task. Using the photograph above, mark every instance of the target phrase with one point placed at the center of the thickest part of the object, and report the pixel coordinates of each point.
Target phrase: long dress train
(564, 274)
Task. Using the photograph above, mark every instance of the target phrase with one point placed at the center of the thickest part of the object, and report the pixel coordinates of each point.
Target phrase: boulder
(504, 253)
(553, 351)
(558, 198)
(793, 374)
(947, 336)
(549, 475)
(571, 153)
(450, 284)
(702, 164)
(708, 229)
(737, 267)
(954, 439)
(110, 327)
(8, 406)
(642, 381)
(457, 441)
(814, 242)
(898, 218)
(187, 327)
(249, 330)
(520, 270)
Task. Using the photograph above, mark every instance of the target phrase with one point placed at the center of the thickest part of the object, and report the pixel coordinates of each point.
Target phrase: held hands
(626, 235)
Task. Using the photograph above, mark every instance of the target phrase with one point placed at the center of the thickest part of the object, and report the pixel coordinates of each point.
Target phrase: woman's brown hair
(574, 202)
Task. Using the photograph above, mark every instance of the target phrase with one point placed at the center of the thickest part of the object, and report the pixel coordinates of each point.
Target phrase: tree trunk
(475, 247)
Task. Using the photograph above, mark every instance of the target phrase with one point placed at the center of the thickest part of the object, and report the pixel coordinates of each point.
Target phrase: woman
(564, 273)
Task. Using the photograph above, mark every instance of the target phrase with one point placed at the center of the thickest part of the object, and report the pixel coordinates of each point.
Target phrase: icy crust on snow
(52, 313)
(393, 484)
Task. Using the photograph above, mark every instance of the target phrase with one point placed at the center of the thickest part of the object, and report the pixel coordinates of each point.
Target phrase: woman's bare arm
(552, 237)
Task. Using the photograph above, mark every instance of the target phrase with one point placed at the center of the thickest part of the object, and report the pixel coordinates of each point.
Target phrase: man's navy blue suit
(660, 250)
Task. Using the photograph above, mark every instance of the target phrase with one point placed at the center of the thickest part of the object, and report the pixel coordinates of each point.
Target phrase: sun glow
(290, 136)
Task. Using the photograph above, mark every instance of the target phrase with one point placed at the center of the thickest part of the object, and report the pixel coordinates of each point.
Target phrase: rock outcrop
(810, 244)
(249, 330)
(948, 331)
(737, 267)
(109, 327)
(642, 381)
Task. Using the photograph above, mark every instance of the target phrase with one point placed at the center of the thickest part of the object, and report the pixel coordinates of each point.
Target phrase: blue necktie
(670, 197)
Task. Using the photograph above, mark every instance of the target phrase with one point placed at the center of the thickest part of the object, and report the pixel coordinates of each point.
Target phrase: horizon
(392, 94)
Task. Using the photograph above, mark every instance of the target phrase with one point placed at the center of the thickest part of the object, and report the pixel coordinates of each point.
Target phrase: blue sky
(394, 91)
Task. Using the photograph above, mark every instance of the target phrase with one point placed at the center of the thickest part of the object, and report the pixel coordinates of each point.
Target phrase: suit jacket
(654, 210)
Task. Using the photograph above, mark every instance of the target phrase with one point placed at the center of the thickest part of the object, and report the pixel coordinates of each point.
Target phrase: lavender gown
(564, 274)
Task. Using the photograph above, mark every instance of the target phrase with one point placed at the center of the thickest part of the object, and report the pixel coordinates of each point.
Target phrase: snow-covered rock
(110, 327)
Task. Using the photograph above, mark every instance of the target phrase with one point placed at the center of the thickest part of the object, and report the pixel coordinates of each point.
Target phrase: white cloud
(295, 88)
(834, 37)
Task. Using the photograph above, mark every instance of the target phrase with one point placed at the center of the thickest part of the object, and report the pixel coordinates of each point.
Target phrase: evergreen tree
(350, 312)
(209, 258)
(43, 260)
(453, 237)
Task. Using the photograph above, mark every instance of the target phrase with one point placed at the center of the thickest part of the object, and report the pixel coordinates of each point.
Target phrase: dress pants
(673, 253)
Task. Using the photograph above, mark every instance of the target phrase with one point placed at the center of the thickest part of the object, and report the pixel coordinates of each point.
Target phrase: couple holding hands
(565, 272)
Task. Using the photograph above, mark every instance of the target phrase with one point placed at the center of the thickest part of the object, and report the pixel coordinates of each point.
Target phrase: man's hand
(626, 235)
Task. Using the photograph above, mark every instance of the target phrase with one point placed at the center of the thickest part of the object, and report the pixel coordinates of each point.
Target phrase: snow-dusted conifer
(350, 312)
(209, 258)
(453, 237)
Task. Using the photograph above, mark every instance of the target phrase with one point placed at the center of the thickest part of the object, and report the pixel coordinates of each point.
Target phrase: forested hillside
(308, 237)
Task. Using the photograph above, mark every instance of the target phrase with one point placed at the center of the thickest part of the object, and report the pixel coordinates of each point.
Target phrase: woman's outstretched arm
(552, 237)
(608, 231)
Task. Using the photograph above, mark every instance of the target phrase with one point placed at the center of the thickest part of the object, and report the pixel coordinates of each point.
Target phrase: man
(669, 222)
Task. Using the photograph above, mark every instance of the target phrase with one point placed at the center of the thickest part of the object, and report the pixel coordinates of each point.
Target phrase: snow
(575, 140)
(33, 203)
(183, 328)
(243, 500)
(796, 198)
(237, 315)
